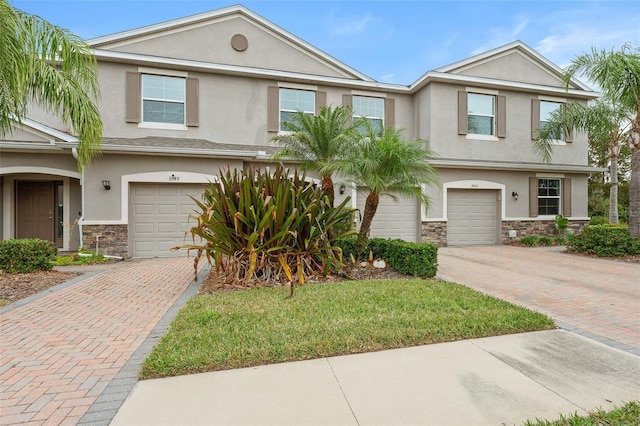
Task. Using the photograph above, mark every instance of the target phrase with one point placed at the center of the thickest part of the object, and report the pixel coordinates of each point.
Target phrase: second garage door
(393, 219)
(472, 217)
(160, 217)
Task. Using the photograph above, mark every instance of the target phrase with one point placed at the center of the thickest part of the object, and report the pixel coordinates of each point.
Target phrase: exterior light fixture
(514, 195)
(342, 189)
(106, 184)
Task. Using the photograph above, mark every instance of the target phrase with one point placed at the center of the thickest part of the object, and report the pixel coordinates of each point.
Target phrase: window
(371, 109)
(548, 197)
(292, 101)
(481, 114)
(546, 109)
(163, 99)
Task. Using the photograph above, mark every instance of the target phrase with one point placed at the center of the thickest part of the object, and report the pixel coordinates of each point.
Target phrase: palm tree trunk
(327, 187)
(613, 193)
(634, 193)
(370, 207)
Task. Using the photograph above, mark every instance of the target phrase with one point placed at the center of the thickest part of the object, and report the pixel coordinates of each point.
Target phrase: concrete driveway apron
(598, 298)
(66, 351)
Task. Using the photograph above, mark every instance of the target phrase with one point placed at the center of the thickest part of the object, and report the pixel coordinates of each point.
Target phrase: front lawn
(627, 414)
(261, 326)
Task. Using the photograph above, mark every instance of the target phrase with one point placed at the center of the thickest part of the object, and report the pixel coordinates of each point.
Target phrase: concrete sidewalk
(492, 381)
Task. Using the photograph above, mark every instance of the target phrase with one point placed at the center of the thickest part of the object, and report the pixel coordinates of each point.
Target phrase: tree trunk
(327, 187)
(613, 194)
(370, 207)
(634, 193)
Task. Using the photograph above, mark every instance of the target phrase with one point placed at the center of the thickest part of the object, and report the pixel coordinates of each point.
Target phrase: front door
(35, 210)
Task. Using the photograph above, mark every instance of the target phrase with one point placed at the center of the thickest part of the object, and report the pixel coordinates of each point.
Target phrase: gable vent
(239, 42)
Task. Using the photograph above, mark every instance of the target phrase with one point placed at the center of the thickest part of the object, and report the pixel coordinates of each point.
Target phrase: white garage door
(472, 217)
(160, 217)
(393, 219)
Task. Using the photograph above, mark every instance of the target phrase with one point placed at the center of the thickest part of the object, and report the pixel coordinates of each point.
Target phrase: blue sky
(390, 41)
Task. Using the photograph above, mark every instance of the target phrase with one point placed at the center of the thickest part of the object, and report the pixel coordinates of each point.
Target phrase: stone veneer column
(113, 239)
(434, 232)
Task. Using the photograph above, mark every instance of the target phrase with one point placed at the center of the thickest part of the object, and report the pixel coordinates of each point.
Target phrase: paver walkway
(598, 298)
(60, 351)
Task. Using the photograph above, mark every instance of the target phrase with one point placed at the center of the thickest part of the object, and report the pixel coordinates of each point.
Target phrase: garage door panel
(472, 217)
(160, 217)
(393, 219)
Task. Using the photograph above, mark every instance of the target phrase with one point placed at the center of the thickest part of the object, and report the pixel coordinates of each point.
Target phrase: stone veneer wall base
(112, 239)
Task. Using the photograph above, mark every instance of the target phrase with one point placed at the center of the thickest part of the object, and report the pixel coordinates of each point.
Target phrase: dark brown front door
(35, 210)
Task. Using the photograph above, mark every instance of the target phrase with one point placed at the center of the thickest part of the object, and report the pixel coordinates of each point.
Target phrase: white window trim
(164, 72)
(481, 91)
(464, 184)
(494, 129)
(557, 142)
(368, 94)
(157, 124)
(472, 136)
(559, 197)
(280, 109)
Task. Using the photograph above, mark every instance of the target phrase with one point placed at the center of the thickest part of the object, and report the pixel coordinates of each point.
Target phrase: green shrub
(604, 240)
(417, 259)
(529, 240)
(269, 228)
(545, 241)
(26, 255)
(599, 220)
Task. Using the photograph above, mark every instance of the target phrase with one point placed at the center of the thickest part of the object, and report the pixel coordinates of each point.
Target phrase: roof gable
(515, 62)
(219, 37)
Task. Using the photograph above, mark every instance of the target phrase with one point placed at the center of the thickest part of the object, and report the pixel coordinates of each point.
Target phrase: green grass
(261, 326)
(628, 414)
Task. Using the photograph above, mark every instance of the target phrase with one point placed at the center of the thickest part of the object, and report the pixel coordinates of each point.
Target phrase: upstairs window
(370, 109)
(546, 110)
(481, 114)
(293, 101)
(163, 99)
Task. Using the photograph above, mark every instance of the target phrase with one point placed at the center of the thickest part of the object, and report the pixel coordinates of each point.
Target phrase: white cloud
(500, 36)
(352, 26)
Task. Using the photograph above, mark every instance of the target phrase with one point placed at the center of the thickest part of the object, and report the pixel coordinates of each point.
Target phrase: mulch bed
(19, 286)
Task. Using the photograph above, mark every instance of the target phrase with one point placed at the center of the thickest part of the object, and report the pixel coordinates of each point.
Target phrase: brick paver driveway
(68, 351)
(598, 298)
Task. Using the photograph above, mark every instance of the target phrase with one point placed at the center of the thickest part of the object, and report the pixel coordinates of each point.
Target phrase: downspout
(74, 151)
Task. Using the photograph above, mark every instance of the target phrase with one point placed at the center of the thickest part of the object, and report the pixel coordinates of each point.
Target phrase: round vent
(239, 42)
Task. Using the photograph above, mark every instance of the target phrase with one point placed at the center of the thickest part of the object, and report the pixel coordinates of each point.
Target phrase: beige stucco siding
(212, 43)
(511, 181)
(442, 131)
(103, 205)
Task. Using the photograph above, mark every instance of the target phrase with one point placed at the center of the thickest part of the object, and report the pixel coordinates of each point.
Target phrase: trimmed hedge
(27, 255)
(417, 259)
(604, 240)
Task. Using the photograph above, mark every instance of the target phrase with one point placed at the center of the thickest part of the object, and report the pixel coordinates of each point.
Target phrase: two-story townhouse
(185, 98)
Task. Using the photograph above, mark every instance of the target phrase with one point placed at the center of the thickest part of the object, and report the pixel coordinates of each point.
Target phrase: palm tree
(607, 124)
(386, 164)
(617, 73)
(56, 69)
(317, 140)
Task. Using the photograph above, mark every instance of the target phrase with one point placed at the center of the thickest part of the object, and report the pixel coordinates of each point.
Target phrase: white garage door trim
(169, 176)
(392, 219)
(160, 217)
(472, 217)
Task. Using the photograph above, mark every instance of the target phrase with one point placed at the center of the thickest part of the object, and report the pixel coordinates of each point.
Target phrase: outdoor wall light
(514, 195)
(106, 184)
(342, 189)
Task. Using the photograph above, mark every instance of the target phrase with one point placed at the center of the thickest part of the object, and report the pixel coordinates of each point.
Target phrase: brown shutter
(321, 100)
(566, 197)
(133, 99)
(273, 109)
(389, 112)
(535, 118)
(347, 100)
(533, 197)
(502, 116)
(192, 102)
(463, 127)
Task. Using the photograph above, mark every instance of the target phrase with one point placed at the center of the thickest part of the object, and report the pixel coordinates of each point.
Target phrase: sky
(390, 41)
